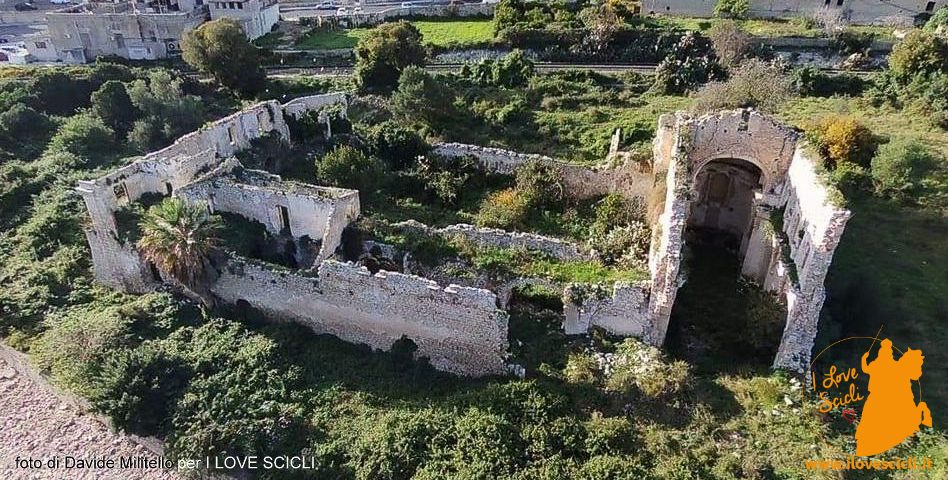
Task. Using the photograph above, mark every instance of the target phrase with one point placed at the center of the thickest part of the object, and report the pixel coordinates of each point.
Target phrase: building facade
(140, 30)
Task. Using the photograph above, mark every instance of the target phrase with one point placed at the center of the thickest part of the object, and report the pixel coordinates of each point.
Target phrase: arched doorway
(722, 209)
(720, 319)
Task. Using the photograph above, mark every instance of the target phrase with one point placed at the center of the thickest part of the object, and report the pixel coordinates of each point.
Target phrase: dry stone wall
(496, 238)
(459, 329)
(887, 12)
(631, 179)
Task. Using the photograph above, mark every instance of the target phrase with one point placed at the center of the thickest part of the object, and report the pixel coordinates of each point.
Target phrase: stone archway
(724, 192)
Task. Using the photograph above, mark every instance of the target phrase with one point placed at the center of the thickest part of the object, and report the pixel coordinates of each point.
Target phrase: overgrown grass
(446, 33)
(774, 27)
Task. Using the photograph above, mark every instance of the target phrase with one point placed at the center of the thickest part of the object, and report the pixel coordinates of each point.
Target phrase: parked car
(326, 6)
(357, 10)
(408, 4)
(342, 11)
(24, 7)
(60, 2)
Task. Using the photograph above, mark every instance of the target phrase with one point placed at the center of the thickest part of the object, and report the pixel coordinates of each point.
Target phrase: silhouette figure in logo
(890, 414)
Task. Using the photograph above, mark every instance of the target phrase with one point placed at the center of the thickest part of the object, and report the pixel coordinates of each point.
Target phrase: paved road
(38, 423)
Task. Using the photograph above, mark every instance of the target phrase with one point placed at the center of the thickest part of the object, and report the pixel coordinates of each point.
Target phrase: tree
(114, 106)
(755, 84)
(732, 8)
(422, 98)
(350, 168)
(24, 131)
(85, 136)
(167, 112)
(602, 23)
(842, 139)
(919, 52)
(730, 42)
(220, 48)
(178, 238)
(384, 53)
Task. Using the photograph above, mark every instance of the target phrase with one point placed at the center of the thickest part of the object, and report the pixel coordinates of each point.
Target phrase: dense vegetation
(219, 381)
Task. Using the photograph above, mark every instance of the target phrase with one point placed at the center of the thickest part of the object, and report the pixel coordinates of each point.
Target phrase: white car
(408, 4)
(60, 2)
(342, 11)
(357, 10)
(326, 6)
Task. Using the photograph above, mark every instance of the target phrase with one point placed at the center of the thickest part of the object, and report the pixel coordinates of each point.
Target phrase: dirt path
(38, 423)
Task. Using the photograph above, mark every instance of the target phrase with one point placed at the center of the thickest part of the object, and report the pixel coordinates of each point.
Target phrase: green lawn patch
(438, 33)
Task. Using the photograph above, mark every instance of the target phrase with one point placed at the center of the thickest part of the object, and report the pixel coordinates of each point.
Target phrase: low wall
(459, 329)
(630, 179)
(856, 11)
(375, 18)
(496, 238)
(624, 311)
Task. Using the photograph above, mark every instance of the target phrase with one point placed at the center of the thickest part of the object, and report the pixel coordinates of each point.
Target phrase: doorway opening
(720, 320)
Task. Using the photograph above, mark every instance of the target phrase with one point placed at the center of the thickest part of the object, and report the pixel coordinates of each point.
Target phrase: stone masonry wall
(259, 196)
(856, 11)
(623, 312)
(167, 170)
(630, 179)
(460, 329)
(496, 238)
(813, 226)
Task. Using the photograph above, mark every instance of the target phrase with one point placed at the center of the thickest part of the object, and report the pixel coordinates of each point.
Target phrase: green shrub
(541, 184)
(610, 436)
(114, 106)
(691, 62)
(397, 144)
(900, 168)
(24, 131)
(348, 167)
(939, 19)
(851, 179)
(507, 209)
(581, 368)
(811, 81)
(86, 137)
(732, 8)
(139, 388)
(422, 98)
(607, 467)
(74, 346)
(919, 52)
(447, 180)
(394, 444)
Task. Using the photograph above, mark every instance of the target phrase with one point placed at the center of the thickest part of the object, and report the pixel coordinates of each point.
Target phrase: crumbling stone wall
(502, 239)
(624, 311)
(813, 226)
(310, 211)
(632, 178)
(167, 170)
(459, 329)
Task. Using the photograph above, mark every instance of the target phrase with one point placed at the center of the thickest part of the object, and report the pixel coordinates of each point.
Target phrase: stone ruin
(732, 171)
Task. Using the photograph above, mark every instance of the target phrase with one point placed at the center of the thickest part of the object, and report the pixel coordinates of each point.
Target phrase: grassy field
(438, 33)
(773, 28)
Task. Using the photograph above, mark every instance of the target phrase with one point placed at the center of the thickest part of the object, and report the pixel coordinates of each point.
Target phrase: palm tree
(178, 239)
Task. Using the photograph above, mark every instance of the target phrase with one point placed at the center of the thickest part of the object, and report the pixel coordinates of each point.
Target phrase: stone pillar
(757, 249)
